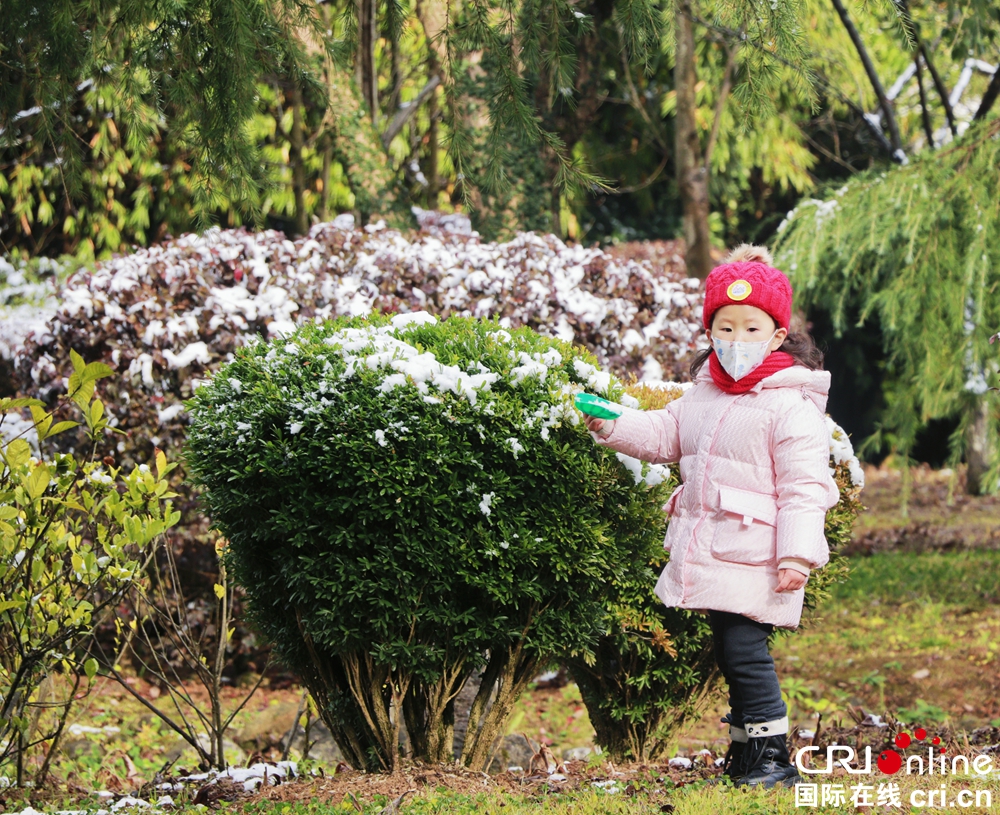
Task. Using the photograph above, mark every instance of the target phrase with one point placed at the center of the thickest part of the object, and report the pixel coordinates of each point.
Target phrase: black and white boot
(732, 764)
(765, 757)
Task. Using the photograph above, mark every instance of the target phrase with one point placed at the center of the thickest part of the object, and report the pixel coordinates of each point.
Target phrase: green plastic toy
(596, 406)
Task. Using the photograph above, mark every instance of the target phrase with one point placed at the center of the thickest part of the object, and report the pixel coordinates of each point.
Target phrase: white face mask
(740, 358)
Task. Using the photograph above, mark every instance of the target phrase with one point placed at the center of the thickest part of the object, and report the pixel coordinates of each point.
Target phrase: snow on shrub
(168, 316)
(27, 302)
(408, 501)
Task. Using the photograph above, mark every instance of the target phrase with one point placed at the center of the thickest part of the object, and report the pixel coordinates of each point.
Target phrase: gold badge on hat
(739, 290)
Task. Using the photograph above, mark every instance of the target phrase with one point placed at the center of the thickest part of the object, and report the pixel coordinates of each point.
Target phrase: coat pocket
(745, 530)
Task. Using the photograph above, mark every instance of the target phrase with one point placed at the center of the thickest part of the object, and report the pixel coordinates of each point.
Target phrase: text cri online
(887, 793)
(933, 763)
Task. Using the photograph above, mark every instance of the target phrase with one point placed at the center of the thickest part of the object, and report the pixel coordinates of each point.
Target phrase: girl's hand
(595, 425)
(790, 580)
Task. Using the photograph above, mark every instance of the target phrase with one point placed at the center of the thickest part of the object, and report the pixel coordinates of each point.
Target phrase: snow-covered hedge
(170, 314)
(409, 500)
(27, 302)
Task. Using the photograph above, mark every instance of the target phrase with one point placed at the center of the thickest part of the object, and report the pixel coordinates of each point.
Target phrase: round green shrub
(409, 501)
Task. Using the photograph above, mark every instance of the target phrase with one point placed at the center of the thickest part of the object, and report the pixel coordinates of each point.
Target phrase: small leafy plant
(74, 537)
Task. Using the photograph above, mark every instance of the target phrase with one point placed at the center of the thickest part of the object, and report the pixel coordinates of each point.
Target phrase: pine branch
(768, 54)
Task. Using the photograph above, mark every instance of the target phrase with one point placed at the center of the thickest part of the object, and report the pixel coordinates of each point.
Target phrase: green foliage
(923, 713)
(654, 670)
(523, 202)
(73, 538)
(131, 191)
(838, 527)
(409, 503)
(145, 122)
(918, 248)
(195, 66)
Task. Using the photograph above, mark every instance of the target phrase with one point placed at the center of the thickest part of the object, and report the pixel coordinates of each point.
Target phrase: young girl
(747, 521)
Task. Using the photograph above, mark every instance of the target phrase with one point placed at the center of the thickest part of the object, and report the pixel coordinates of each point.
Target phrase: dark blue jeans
(742, 655)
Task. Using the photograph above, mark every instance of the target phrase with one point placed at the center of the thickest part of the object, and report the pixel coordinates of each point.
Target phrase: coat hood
(814, 384)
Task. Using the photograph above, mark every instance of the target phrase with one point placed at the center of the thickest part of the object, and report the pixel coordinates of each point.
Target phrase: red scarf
(773, 362)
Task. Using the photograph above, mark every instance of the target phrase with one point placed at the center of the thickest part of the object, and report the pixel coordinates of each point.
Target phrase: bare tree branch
(942, 91)
(925, 114)
(883, 100)
(643, 184)
(992, 91)
(404, 114)
(738, 36)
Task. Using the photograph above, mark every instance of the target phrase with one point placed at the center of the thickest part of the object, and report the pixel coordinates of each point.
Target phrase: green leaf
(7, 404)
(97, 370)
(6, 513)
(77, 360)
(90, 668)
(81, 390)
(18, 453)
(42, 420)
(161, 463)
(59, 427)
(96, 412)
(6, 605)
(38, 482)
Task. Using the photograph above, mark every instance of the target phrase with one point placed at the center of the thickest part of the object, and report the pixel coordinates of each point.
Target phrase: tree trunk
(324, 198)
(296, 142)
(429, 710)
(978, 454)
(433, 16)
(692, 176)
(433, 182)
(358, 147)
(365, 66)
(509, 672)
(350, 132)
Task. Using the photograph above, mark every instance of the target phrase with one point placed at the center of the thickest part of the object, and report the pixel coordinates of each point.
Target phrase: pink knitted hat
(747, 278)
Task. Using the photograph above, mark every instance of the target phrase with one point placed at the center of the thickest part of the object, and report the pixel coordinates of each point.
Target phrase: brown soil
(938, 516)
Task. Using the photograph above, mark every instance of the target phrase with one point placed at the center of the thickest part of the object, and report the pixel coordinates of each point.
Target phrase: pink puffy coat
(756, 488)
